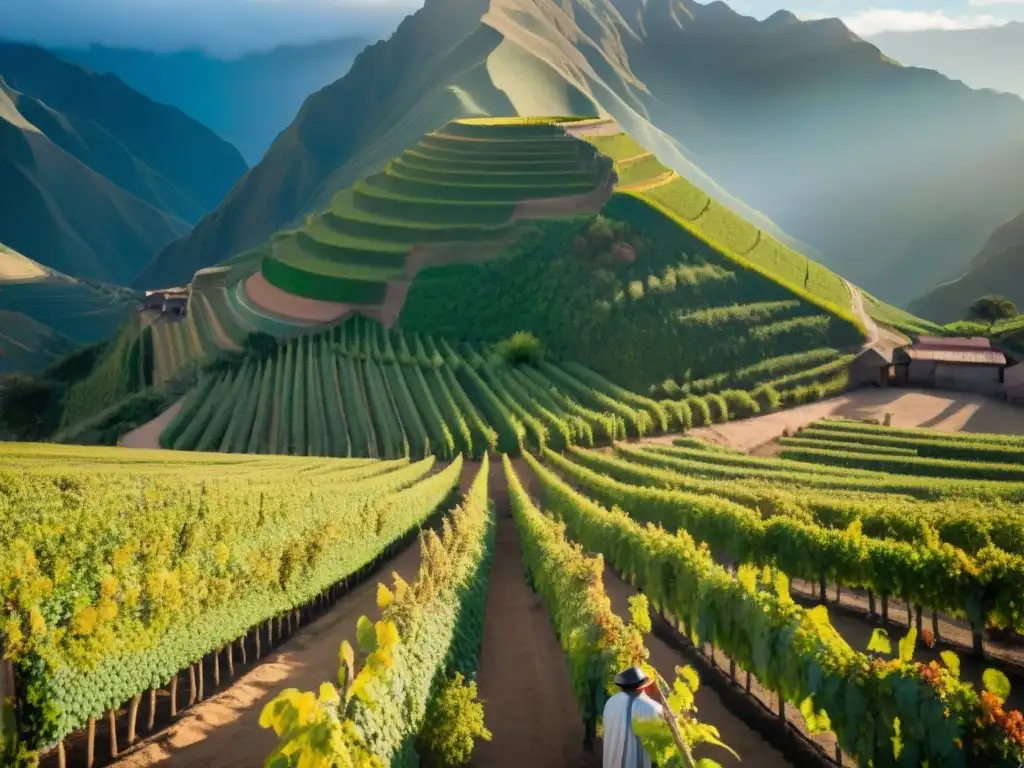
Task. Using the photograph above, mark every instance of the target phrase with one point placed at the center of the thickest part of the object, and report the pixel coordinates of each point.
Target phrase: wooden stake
(151, 721)
(910, 615)
(216, 668)
(871, 603)
(231, 659)
(917, 618)
(90, 746)
(133, 713)
(62, 758)
(174, 695)
(191, 684)
(935, 624)
(241, 647)
(200, 666)
(257, 642)
(112, 720)
(885, 609)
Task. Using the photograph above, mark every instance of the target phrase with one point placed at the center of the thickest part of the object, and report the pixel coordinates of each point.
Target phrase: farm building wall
(983, 379)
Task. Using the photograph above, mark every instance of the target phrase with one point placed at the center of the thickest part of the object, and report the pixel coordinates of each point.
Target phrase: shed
(966, 364)
(871, 367)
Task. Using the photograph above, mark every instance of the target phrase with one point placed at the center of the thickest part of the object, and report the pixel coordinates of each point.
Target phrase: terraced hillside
(567, 229)
(459, 194)
(663, 267)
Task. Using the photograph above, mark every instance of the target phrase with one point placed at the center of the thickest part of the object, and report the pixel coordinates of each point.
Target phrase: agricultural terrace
(458, 194)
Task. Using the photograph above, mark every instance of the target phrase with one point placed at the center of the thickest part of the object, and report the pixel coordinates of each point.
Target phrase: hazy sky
(230, 27)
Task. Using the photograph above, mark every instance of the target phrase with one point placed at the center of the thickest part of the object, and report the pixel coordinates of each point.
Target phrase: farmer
(622, 748)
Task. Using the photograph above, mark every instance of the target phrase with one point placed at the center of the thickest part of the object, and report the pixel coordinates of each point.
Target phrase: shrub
(718, 408)
(767, 398)
(740, 404)
(681, 417)
(454, 721)
(520, 347)
(699, 410)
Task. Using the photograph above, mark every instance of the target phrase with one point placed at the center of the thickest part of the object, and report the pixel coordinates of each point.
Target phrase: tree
(991, 308)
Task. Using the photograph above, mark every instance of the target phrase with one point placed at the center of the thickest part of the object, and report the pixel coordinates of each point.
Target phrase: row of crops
(721, 570)
(448, 188)
(361, 391)
(120, 569)
(388, 714)
(942, 534)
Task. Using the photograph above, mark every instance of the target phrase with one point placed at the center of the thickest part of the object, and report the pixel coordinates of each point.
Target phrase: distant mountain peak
(782, 18)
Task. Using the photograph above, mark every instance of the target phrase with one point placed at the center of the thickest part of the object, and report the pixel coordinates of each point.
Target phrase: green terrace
(458, 185)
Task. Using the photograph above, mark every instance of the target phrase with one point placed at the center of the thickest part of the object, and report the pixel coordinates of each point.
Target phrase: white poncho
(622, 749)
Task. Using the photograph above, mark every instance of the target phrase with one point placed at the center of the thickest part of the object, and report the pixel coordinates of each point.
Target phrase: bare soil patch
(289, 306)
(600, 127)
(935, 409)
(148, 435)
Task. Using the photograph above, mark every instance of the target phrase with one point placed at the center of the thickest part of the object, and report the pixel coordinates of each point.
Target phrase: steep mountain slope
(996, 269)
(893, 174)
(992, 57)
(448, 60)
(153, 151)
(57, 211)
(248, 100)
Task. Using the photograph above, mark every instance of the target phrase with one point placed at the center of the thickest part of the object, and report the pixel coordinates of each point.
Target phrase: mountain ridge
(247, 100)
(809, 126)
(98, 178)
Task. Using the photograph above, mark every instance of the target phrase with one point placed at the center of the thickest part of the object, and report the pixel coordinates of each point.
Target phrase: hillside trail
(880, 336)
(223, 731)
(752, 749)
(523, 676)
(148, 435)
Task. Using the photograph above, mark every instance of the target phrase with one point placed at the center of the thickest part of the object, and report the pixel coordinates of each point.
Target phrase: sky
(869, 18)
(232, 27)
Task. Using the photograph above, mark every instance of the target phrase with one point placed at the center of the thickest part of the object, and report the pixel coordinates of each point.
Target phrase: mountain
(995, 269)
(247, 100)
(893, 174)
(992, 57)
(94, 177)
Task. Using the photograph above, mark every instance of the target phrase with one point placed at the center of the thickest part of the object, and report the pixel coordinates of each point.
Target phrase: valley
(546, 340)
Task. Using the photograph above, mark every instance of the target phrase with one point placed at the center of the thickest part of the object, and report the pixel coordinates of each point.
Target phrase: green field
(361, 391)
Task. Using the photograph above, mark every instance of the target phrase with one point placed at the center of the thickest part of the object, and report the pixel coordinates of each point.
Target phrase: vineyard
(734, 550)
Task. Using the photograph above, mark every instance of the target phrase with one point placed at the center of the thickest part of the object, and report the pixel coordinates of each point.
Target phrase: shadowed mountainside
(96, 177)
(248, 100)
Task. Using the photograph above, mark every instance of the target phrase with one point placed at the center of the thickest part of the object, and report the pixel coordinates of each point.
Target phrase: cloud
(224, 27)
(876, 20)
(987, 3)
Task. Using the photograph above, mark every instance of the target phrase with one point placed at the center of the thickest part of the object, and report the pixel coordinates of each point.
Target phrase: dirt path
(224, 731)
(657, 181)
(935, 409)
(878, 335)
(523, 676)
(148, 435)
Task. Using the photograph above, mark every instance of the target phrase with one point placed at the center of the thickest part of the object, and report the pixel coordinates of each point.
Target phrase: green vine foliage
(429, 633)
(988, 588)
(454, 723)
(115, 580)
(596, 641)
(794, 652)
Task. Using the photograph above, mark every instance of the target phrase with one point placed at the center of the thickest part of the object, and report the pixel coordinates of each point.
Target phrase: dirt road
(935, 409)
(148, 435)
(523, 676)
